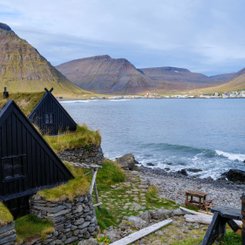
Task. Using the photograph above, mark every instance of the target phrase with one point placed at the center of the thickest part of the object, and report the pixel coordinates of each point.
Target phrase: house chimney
(5, 93)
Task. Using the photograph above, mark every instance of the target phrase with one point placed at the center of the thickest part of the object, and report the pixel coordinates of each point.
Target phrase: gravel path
(173, 186)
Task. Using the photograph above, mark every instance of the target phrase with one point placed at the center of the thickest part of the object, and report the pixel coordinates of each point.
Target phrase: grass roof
(76, 187)
(82, 137)
(5, 215)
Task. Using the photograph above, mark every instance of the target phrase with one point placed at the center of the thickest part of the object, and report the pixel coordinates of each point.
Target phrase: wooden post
(243, 218)
(94, 171)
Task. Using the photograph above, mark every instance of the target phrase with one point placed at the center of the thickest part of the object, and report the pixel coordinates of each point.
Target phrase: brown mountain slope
(235, 84)
(23, 69)
(103, 74)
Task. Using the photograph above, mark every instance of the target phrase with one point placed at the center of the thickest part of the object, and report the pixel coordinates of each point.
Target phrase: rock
(90, 241)
(5, 27)
(193, 170)
(150, 164)
(183, 172)
(146, 216)
(127, 162)
(235, 175)
(113, 234)
(135, 206)
(178, 212)
(161, 214)
(137, 222)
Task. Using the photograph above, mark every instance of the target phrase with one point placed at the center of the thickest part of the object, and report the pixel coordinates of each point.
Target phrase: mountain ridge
(24, 69)
(103, 74)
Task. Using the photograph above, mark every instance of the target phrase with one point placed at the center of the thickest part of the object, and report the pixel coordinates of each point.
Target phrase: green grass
(153, 199)
(5, 215)
(230, 238)
(73, 188)
(110, 173)
(82, 137)
(26, 101)
(119, 194)
(105, 218)
(30, 226)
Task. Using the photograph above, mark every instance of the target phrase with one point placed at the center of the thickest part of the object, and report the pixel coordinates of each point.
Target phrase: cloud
(201, 35)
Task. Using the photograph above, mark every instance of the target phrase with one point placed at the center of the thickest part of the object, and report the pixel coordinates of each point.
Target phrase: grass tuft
(5, 215)
(110, 173)
(30, 226)
(82, 137)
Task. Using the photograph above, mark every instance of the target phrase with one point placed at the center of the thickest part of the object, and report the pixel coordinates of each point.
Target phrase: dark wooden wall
(23, 147)
(62, 121)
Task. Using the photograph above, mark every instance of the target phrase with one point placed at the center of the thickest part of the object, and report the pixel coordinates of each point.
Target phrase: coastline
(173, 186)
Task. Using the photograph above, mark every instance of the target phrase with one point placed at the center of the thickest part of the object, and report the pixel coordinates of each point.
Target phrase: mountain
(237, 82)
(103, 74)
(23, 69)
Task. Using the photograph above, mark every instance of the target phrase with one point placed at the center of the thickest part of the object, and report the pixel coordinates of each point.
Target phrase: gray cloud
(205, 36)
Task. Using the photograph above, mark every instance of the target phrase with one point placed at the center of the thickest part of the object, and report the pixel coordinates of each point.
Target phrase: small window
(12, 167)
(48, 118)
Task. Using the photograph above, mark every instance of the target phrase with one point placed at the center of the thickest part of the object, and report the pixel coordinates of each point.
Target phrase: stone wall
(73, 220)
(87, 155)
(7, 234)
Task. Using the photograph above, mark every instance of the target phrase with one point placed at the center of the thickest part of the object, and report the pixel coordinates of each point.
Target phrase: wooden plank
(228, 212)
(142, 233)
(93, 181)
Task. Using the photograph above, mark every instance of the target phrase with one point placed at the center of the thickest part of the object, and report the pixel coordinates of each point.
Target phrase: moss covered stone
(5, 215)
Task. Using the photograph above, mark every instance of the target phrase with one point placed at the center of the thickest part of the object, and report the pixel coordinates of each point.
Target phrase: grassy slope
(82, 137)
(236, 84)
(25, 70)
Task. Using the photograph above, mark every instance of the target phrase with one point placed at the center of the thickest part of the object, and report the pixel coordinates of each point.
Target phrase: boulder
(183, 172)
(137, 222)
(194, 170)
(235, 175)
(161, 214)
(127, 162)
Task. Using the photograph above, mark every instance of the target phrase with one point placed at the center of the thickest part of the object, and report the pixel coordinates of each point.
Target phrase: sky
(201, 35)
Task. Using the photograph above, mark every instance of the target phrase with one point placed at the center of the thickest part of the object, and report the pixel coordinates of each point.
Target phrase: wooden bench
(217, 228)
(198, 199)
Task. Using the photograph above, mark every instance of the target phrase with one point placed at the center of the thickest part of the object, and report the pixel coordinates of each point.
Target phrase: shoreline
(173, 186)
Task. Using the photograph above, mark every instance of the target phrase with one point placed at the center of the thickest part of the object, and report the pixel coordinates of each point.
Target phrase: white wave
(118, 100)
(74, 101)
(231, 156)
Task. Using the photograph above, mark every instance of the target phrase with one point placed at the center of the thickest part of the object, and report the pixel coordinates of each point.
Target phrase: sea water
(205, 134)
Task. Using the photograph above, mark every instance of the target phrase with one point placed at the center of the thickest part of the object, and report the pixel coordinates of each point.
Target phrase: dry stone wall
(73, 220)
(88, 155)
(7, 234)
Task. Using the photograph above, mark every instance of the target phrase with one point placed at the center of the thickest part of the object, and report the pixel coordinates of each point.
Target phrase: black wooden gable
(27, 163)
(50, 116)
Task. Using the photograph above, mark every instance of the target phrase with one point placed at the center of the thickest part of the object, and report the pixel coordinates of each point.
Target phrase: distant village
(216, 95)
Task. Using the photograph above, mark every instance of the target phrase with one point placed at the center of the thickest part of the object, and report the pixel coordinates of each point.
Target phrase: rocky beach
(173, 186)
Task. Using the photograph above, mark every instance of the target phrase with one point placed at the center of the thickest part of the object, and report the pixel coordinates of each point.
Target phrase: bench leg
(222, 228)
(213, 231)
(234, 226)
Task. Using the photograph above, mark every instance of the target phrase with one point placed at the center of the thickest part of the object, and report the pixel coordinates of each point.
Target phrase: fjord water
(206, 134)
